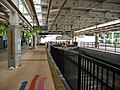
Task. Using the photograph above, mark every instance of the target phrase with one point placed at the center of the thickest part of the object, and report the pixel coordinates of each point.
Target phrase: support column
(14, 39)
(104, 38)
(112, 37)
(96, 39)
(34, 42)
(31, 39)
(72, 34)
(34, 39)
(14, 46)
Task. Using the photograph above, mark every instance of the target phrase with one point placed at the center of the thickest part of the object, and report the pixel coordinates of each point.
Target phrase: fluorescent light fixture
(93, 27)
(109, 23)
(101, 25)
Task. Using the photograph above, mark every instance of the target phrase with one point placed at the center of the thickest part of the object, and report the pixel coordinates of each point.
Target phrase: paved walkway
(34, 62)
(3, 52)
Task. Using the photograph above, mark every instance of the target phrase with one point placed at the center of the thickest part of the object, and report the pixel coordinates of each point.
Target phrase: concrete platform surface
(32, 64)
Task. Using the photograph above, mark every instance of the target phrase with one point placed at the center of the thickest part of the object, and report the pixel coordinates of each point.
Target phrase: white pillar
(96, 39)
(104, 38)
(14, 39)
(112, 37)
(34, 44)
(14, 18)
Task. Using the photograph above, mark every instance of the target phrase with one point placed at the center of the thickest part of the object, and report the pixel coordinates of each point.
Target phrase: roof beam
(4, 2)
(58, 12)
(54, 10)
(49, 7)
(3, 11)
(18, 11)
(51, 19)
(44, 12)
(6, 19)
(24, 4)
(95, 9)
(32, 9)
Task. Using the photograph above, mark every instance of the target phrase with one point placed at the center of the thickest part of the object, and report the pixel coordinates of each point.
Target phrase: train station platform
(35, 62)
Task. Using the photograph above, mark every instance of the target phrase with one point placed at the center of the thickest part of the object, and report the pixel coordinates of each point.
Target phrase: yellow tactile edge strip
(56, 78)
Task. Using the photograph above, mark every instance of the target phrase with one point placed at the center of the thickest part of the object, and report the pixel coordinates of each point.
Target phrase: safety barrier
(102, 46)
(83, 72)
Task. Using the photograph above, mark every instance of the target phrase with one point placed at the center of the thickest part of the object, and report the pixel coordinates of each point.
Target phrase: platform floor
(33, 62)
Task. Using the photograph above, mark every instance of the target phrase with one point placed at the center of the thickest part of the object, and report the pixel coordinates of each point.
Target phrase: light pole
(56, 28)
(72, 33)
(96, 38)
(33, 34)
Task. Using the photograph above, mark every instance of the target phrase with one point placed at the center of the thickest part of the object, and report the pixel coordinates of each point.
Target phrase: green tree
(36, 30)
(3, 30)
(27, 35)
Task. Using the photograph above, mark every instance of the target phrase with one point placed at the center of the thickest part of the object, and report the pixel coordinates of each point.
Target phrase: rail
(102, 46)
(86, 73)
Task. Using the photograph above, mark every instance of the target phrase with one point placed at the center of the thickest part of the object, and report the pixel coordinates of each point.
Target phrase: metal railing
(102, 46)
(86, 73)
